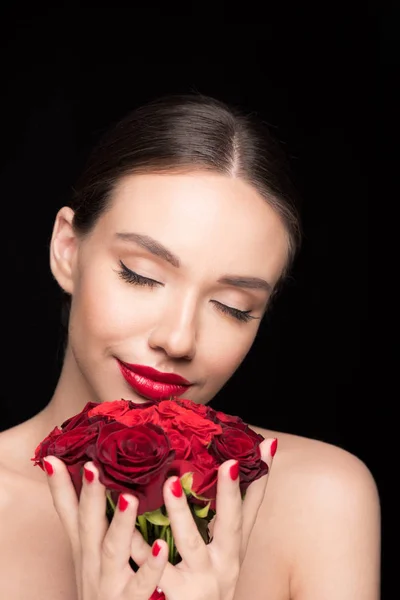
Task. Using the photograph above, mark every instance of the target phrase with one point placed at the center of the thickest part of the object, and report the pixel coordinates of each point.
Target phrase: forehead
(200, 212)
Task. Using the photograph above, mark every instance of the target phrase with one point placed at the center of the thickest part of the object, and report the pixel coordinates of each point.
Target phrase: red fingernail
(122, 503)
(155, 549)
(89, 475)
(274, 446)
(234, 471)
(176, 488)
(48, 467)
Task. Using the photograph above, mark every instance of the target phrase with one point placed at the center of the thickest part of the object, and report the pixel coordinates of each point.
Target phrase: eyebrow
(150, 244)
(157, 249)
(251, 283)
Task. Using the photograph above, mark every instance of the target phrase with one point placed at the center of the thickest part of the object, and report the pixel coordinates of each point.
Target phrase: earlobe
(63, 248)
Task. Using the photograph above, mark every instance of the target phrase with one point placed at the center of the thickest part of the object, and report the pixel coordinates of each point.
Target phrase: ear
(63, 249)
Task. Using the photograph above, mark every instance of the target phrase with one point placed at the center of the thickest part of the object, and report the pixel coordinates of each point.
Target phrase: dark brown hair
(180, 133)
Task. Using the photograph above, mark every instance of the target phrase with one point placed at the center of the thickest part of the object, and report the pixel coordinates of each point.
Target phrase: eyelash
(241, 315)
(136, 279)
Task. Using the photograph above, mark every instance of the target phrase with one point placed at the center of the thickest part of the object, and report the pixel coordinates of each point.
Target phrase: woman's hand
(101, 551)
(209, 572)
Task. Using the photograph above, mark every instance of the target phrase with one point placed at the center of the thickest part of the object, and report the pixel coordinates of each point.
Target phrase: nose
(175, 332)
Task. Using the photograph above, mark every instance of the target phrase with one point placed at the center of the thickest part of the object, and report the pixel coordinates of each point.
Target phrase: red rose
(193, 425)
(112, 409)
(188, 422)
(82, 418)
(72, 447)
(242, 445)
(230, 420)
(41, 449)
(140, 417)
(133, 459)
(200, 409)
(117, 408)
(180, 443)
(205, 473)
(204, 467)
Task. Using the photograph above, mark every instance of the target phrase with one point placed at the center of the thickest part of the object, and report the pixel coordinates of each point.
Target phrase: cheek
(106, 308)
(226, 350)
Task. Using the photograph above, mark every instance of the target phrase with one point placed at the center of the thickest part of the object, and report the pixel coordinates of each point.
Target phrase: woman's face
(176, 276)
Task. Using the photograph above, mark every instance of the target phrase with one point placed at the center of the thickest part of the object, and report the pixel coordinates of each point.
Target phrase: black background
(319, 79)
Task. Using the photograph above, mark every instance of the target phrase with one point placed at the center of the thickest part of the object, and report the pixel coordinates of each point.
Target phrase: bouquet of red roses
(136, 447)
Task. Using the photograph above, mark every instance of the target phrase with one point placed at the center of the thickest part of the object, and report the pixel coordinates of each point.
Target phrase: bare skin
(317, 533)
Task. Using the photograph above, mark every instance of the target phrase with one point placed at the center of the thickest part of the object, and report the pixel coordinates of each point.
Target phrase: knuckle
(109, 550)
(194, 543)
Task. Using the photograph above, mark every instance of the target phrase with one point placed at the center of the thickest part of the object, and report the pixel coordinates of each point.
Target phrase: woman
(180, 231)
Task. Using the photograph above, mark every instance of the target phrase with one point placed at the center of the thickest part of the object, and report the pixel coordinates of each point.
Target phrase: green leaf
(142, 524)
(201, 511)
(156, 517)
(200, 497)
(187, 482)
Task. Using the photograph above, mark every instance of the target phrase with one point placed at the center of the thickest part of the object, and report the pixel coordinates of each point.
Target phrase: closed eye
(136, 279)
(240, 315)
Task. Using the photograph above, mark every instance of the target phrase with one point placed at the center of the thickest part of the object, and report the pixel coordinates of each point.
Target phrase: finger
(142, 585)
(256, 491)
(228, 520)
(64, 498)
(92, 520)
(187, 538)
(116, 548)
(140, 552)
(140, 549)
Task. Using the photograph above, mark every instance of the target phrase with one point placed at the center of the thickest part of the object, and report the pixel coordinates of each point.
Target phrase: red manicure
(274, 446)
(48, 467)
(122, 503)
(176, 488)
(155, 549)
(234, 471)
(89, 475)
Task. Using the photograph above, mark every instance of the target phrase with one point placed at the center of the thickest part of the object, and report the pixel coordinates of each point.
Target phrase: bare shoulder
(19, 479)
(326, 518)
(319, 475)
(7, 490)
(329, 468)
(31, 533)
(8, 476)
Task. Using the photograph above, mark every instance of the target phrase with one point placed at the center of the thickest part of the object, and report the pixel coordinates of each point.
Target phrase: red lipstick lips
(153, 384)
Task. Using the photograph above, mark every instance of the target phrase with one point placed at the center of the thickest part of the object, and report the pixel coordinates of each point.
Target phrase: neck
(70, 396)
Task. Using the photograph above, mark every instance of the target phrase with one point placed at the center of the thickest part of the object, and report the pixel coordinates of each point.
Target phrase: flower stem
(143, 526)
(110, 500)
(170, 542)
(162, 532)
